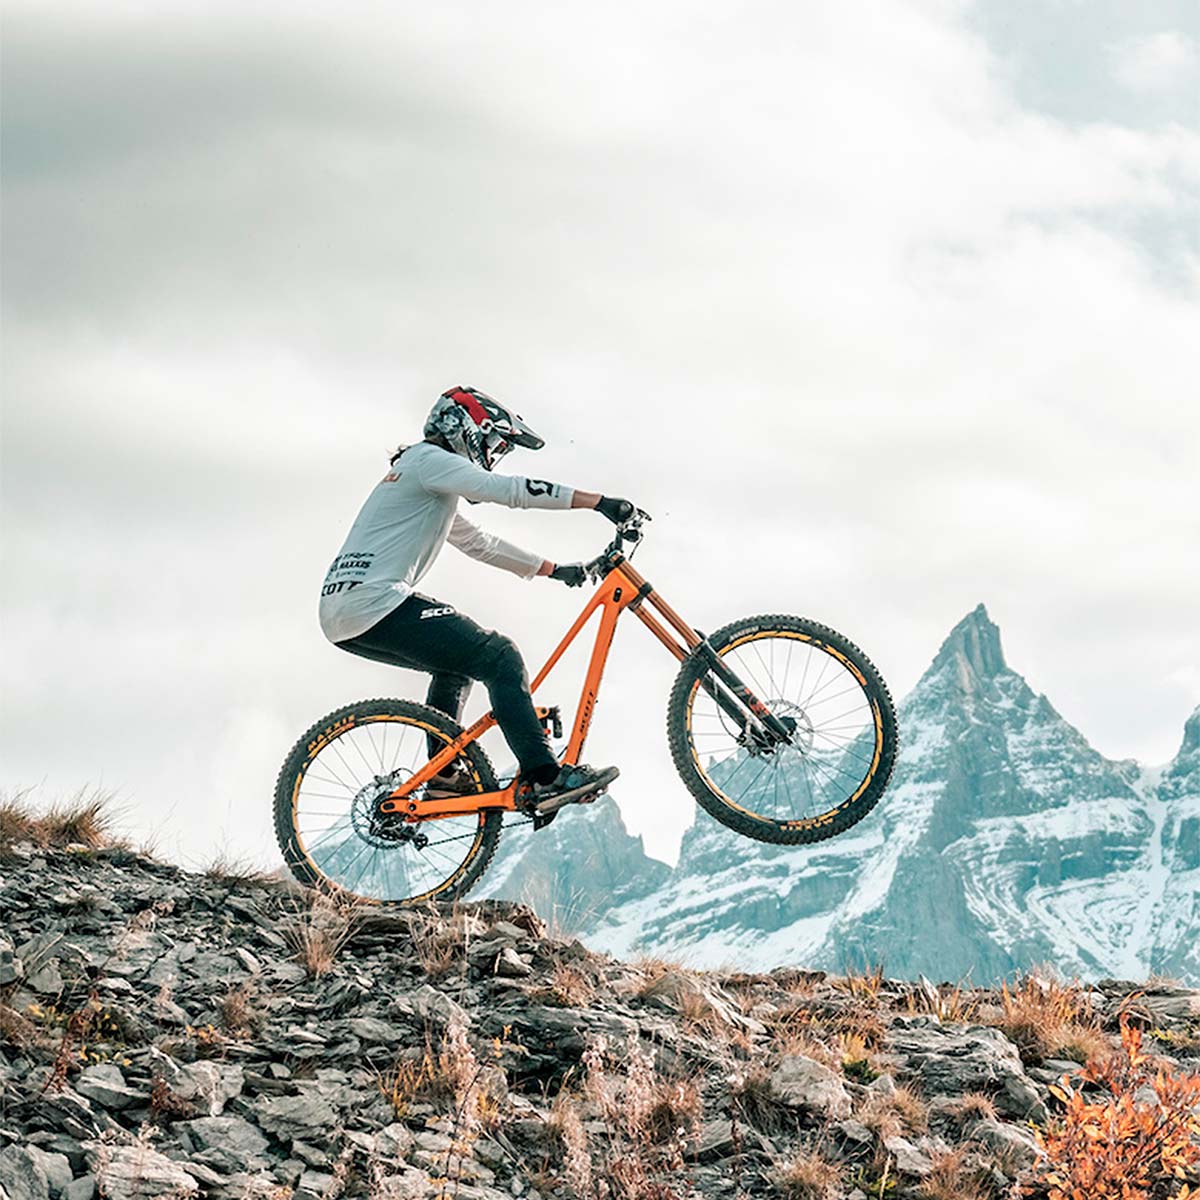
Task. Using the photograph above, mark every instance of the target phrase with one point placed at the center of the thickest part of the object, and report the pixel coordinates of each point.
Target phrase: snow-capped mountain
(1004, 841)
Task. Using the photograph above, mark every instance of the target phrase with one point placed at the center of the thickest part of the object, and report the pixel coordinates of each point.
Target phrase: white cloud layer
(1158, 62)
(872, 337)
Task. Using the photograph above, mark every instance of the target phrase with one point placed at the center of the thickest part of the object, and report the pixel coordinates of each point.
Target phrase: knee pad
(501, 658)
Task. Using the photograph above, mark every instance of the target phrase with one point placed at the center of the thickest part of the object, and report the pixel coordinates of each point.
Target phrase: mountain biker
(369, 606)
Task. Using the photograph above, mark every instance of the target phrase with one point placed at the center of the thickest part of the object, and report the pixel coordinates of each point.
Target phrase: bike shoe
(576, 784)
(453, 781)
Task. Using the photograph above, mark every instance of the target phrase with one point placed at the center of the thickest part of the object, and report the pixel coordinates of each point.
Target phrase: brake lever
(628, 531)
(631, 530)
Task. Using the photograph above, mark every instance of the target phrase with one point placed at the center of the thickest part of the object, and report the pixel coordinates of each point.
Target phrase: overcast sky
(881, 309)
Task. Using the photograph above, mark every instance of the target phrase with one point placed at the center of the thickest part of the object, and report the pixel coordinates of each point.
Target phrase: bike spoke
(345, 843)
(828, 759)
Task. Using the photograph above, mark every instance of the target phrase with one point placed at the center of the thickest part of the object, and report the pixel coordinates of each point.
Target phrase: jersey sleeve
(449, 474)
(490, 549)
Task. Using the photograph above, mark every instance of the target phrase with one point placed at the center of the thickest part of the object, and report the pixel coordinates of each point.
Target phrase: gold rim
(829, 816)
(325, 738)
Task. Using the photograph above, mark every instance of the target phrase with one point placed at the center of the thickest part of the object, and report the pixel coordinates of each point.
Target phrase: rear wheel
(838, 758)
(326, 807)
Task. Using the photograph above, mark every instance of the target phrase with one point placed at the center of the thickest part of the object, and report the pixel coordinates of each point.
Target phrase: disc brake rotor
(383, 830)
(797, 722)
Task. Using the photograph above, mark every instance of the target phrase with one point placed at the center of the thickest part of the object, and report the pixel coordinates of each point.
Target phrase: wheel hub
(797, 722)
(383, 829)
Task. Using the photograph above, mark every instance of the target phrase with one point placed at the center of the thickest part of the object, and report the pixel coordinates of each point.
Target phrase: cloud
(872, 338)
(1157, 62)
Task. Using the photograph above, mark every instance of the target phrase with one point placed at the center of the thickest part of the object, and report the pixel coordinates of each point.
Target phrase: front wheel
(838, 757)
(326, 807)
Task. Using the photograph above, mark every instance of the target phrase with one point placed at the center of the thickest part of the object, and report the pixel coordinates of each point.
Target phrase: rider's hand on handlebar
(615, 510)
(572, 574)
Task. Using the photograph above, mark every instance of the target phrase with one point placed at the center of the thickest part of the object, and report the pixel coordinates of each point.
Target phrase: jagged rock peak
(975, 642)
(1191, 734)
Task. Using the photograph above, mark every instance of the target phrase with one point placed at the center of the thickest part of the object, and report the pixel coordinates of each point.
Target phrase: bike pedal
(553, 803)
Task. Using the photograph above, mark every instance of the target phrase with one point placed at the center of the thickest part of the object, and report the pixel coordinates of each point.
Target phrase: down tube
(587, 702)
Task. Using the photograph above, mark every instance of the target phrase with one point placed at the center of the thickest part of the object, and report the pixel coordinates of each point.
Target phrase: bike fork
(774, 729)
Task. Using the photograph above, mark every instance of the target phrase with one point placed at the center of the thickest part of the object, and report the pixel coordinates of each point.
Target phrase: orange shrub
(1120, 1147)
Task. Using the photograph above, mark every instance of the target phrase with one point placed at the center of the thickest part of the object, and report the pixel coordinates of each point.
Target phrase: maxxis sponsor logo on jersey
(355, 563)
(354, 560)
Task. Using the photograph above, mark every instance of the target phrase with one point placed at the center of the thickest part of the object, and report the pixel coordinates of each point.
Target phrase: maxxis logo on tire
(331, 731)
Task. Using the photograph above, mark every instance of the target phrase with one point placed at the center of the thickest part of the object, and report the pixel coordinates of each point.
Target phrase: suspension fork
(735, 699)
(774, 727)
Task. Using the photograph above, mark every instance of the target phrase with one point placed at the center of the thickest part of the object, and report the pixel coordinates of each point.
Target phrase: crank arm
(414, 809)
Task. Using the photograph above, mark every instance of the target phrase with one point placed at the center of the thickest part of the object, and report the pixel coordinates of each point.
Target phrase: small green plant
(874, 1185)
(859, 1070)
(1186, 1040)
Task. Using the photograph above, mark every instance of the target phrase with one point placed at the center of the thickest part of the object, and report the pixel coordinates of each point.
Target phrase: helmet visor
(521, 435)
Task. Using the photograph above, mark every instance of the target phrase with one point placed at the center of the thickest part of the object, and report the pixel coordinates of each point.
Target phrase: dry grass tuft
(947, 1002)
(240, 1017)
(412, 1079)
(857, 1060)
(15, 1030)
(756, 1102)
(950, 1179)
(238, 872)
(799, 1030)
(87, 819)
(318, 932)
(652, 970)
(674, 1111)
(974, 1106)
(576, 1150)
(569, 987)
(441, 945)
(861, 985)
(899, 1112)
(625, 1127)
(1046, 1018)
(808, 1176)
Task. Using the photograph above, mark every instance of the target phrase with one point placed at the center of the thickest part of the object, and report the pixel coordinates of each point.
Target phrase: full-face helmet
(477, 427)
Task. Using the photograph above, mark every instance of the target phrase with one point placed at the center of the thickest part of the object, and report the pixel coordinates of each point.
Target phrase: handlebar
(628, 531)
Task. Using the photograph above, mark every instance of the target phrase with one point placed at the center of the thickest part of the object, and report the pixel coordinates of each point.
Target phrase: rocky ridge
(170, 1034)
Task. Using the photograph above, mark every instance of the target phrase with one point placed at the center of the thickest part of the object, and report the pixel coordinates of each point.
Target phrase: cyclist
(370, 608)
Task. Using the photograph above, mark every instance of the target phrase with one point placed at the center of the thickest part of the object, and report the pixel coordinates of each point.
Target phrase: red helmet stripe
(476, 410)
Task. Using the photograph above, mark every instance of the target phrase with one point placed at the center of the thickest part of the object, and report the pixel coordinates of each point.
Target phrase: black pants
(427, 635)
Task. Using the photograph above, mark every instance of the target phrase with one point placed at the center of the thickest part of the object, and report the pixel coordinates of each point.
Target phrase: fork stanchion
(690, 636)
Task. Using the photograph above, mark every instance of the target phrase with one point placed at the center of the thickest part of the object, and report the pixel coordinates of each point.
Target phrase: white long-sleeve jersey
(407, 518)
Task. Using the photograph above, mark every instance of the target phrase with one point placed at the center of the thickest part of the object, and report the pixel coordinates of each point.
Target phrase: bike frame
(621, 588)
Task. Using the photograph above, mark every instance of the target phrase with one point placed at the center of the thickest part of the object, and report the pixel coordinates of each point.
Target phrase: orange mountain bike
(781, 729)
